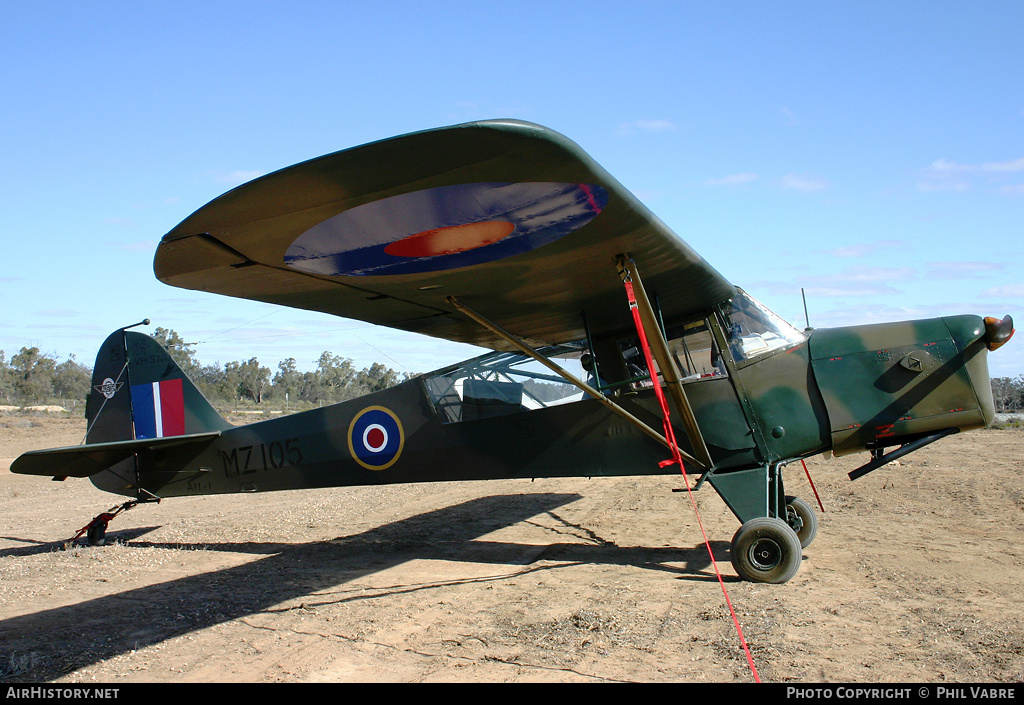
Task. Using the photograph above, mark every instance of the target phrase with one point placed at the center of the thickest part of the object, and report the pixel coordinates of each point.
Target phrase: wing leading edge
(510, 217)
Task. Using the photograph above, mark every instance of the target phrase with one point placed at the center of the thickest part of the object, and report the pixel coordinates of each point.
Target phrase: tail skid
(96, 530)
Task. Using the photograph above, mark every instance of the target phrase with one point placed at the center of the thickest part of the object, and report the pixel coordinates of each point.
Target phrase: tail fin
(138, 391)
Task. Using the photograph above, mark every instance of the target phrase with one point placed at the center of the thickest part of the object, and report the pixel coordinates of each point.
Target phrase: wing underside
(509, 217)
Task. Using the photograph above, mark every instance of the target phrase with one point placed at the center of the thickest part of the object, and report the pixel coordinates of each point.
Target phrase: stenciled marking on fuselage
(376, 438)
(445, 228)
(245, 460)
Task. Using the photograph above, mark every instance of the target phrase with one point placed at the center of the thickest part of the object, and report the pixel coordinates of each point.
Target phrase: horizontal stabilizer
(86, 460)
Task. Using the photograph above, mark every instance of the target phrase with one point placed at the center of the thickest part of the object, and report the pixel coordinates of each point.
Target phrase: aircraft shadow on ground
(34, 547)
(63, 639)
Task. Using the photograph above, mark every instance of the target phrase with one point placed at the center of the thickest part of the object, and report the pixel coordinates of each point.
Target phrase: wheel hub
(765, 554)
(794, 519)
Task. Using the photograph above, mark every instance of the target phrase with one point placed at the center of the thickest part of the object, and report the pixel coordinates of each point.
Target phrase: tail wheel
(97, 534)
(801, 518)
(766, 550)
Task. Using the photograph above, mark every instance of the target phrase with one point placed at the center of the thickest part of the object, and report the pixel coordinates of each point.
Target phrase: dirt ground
(915, 576)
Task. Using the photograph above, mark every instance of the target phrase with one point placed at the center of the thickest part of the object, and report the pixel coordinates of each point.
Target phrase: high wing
(511, 218)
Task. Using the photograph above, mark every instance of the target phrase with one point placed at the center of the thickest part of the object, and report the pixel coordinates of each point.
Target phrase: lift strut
(557, 369)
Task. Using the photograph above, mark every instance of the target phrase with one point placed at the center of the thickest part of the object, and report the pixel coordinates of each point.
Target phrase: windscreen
(753, 330)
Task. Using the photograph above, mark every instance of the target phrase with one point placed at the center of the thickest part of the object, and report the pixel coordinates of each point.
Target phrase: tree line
(1008, 393)
(32, 377)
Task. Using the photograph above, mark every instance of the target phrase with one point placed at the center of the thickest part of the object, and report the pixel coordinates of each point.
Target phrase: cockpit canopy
(752, 330)
(499, 383)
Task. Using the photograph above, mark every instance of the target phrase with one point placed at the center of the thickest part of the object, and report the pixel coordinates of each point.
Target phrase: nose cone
(968, 330)
(998, 332)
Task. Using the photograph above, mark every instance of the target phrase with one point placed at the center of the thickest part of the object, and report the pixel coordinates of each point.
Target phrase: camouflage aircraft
(506, 235)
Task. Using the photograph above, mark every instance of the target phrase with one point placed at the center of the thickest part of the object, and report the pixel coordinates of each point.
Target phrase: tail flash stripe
(158, 419)
(172, 405)
(158, 409)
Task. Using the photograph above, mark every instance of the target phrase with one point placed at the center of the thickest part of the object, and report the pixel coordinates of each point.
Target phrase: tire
(801, 518)
(766, 550)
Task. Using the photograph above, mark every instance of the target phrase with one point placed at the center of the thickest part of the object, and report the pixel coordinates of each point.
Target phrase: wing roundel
(507, 215)
(443, 228)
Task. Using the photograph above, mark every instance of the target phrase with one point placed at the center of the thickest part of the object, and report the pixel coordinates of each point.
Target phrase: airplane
(615, 349)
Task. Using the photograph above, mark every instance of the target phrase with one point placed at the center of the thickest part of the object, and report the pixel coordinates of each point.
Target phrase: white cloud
(804, 183)
(947, 175)
(134, 246)
(629, 128)
(57, 312)
(871, 274)
(1006, 291)
(733, 179)
(945, 165)
(860, 315)
(850, 291)
(1015, 165)
(237, 177)
(942, 185)
(865, 248)
(852, 282)
(139, 246)
(122, 223)
(654, 125)
(859, 281)
(467, 110)
(962, 270)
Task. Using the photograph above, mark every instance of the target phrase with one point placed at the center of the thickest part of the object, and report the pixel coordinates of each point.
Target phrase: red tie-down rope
(815, 489)
(677, 458)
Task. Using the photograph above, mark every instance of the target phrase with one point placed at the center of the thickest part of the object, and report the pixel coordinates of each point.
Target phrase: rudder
(149, 397)
(138, 391)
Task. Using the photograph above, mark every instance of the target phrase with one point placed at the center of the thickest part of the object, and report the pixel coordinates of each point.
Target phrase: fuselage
(840, 390)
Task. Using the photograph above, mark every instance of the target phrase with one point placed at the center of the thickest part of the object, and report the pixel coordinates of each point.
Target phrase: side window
(501, 383)
(695, 351)
(691, 345)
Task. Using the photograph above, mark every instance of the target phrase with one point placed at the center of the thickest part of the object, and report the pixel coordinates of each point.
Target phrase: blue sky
(871, 153)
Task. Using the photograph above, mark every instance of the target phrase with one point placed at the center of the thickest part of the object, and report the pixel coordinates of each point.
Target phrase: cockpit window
(695, 351)
(692, 347)
(753, 330)
(500, 383)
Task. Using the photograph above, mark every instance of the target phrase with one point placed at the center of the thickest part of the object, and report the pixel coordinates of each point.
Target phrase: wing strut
(565, 374)
(666, 364)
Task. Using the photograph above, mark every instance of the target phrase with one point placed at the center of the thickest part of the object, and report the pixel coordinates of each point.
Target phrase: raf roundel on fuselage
(376, 438)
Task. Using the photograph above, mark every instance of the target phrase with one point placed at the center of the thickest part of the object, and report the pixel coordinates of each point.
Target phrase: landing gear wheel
(97, 534)
(801, 518)
(766, 550)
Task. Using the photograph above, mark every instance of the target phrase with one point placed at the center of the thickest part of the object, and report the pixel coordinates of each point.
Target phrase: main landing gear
(802, 519)
(768, 549)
